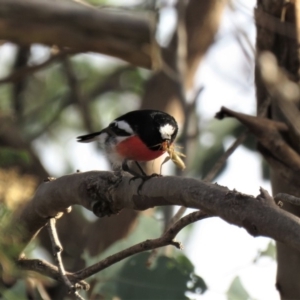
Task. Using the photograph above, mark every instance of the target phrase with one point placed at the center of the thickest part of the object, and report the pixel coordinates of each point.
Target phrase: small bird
(139, 136)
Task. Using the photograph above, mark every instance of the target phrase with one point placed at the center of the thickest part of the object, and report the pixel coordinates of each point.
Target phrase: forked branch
(167, 238)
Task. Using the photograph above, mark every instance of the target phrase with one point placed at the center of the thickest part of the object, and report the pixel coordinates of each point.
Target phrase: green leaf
(107, 282)
(236, 290)
(168, 278)
(10, 156)
(165, 273)
(270, 251)
(16, 292)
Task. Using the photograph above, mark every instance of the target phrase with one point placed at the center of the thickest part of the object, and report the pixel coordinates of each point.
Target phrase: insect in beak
(173, 154)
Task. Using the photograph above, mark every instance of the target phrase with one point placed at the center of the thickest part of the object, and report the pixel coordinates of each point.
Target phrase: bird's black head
(152, 126)
(166, 126)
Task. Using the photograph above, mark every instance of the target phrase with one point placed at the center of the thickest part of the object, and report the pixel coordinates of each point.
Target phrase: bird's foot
(118, 178)
(144, 179)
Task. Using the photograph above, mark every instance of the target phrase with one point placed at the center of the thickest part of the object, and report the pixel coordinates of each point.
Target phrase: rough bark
(277, 32)
(106, 193)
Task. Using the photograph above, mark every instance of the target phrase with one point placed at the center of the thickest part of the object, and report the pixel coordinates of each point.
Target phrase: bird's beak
(166, 145)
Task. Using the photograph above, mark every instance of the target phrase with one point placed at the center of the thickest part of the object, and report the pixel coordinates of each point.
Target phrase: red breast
(134, 149)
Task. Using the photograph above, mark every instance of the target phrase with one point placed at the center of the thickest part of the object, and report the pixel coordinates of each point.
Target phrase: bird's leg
(141, 169)
(118, 177)
(144, 175)
(126, 168)
(136, 175)
(118, 170)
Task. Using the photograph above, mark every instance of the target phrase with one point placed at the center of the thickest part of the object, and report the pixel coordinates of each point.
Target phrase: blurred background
(42, 111)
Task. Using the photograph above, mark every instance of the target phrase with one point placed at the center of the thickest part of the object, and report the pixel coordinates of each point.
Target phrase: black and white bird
(138, 136)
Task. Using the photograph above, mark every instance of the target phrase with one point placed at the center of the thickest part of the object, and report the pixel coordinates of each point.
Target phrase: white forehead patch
(166, 131)
(124, 126)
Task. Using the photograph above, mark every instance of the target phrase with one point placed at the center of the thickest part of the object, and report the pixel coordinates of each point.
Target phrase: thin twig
(178, 215)
(28, 70)
(220, 162)
(18, 88)
(181, 49)
(63, 103)
(178, 76)
(112, 82)
(77, 296)
(166, 239)
(190, 108)
(77, 95)
(287, 198)
(57, 250)
(214, 170)
(47, 269)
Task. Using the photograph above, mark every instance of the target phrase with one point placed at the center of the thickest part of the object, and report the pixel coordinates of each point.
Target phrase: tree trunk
(277, 32)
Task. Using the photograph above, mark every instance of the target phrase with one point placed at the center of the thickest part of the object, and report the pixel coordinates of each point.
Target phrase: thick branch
(270, 135)
(123, 35)
(99, 192)
(278, 32)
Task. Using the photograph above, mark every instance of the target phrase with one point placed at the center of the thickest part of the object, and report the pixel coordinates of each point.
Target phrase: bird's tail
(88, 137)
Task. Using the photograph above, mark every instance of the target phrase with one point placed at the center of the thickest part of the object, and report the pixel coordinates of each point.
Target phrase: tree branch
(75, 92)
(103, 193)
(287, 198)
(47, 269)
(19, 74)
(123, 35)
(166, 239)
(56, 251)
(270, 134)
